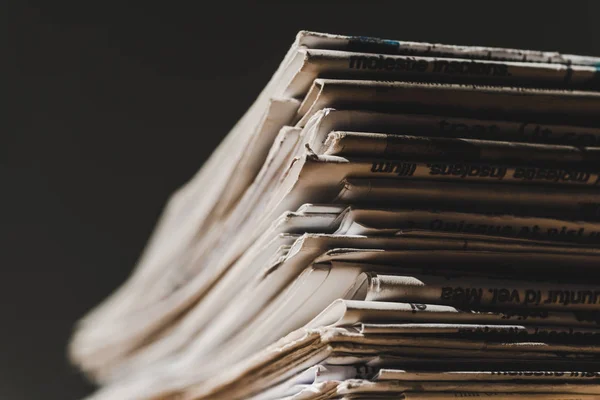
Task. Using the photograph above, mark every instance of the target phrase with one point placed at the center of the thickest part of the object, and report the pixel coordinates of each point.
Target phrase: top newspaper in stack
(343, 121)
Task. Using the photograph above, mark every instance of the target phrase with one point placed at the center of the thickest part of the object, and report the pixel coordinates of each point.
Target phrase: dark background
(111, 108)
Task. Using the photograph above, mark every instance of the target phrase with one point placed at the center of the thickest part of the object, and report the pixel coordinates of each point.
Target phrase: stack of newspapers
(389, 220)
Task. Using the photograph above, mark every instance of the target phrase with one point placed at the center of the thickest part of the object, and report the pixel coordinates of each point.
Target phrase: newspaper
(486, 376)
(296, 352)
(350, 312)
(389, 219)
(454, 395)
(360, 144)
(255, 132)
(309, 247)
(234, 385)
(480, 292)
(319, 40)
(526, 130)
(302, 187)
(145, 291)
(574, 204)
(423, 88)
(372, 221)
(309, 64)
(461, 100)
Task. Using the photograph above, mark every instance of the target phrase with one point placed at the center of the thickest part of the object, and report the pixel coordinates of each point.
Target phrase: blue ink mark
(367, 44)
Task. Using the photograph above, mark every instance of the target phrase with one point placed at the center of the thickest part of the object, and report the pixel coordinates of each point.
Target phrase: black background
(111, 108)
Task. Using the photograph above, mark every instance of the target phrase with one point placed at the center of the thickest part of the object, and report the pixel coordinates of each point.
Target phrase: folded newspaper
(389, 220)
